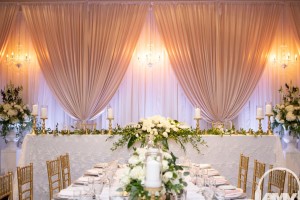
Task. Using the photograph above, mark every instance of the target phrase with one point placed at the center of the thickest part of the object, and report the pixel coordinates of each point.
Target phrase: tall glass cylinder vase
(290, 140)
(11, 138)
(153, 168)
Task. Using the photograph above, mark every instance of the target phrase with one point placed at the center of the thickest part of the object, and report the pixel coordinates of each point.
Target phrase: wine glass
(98, 189)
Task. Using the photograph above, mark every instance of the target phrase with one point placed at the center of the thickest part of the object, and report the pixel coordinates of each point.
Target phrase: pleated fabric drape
(84, 50)
(218, 51)
(295, 11)
(8, 13)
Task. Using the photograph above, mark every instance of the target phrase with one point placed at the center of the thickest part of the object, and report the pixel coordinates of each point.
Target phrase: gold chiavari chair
(6, 190)
(258, 172)
(276, 180)
(25, 182)
(54, 177)
(65, 170)
(292, 184)
(243, 172)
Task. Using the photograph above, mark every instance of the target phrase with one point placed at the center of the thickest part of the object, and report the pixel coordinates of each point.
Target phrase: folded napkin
(233, 193)
(204, 166)
(212, 172)
(93, 172)
(221, 181)
(69, 191)
(101, 165)
(219, 177)
(85, 179)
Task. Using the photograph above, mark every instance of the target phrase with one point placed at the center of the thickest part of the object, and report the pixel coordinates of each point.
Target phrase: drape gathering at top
(84, 50)
(8, 14)
(218, 51)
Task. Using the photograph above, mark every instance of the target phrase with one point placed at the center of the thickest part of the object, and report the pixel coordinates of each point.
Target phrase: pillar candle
(268, 109)
(259, 113)
(35, 109)
(153, 174)
(44, 113)
(197, 113)
(110, 113)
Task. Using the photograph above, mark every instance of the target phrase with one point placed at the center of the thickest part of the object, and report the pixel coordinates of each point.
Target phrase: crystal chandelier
(285, 57)
(150, 56)
(17, 57)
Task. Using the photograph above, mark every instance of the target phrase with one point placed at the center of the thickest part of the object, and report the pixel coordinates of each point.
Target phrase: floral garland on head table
(13, 112)
(287, 113)
(161, 129)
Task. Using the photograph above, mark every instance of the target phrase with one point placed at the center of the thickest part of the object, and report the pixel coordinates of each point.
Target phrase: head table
(85, 150)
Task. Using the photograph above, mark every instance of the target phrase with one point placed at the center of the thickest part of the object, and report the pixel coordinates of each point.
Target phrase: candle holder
(153, 191)
(110, 125)
(260, 131)
(269, 131)
(197, 124)
(33, 132)
(44, 125)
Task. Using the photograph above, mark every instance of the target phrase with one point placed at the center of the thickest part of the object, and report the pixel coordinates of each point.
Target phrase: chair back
(292, 184)
(258, 172)
(25, 182)
(54, 177)
(276, 180)
(243, 172)
(65, 170)
(6, 188)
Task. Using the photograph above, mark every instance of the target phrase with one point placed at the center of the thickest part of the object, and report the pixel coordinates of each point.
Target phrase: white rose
(137, 173)
(165, 134)
(149, 130)
(144, 128)
(167, 176)
(165, 165)
(167, 130)
(12, 112)
(289, 108)
(167, 155)
(125, 180)
(175, 129)
(133, 160)
(290, 116)
(6, 106)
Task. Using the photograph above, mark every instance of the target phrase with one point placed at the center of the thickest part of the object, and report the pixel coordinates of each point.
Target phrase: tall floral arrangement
(132, 179)
(13, 112)
(287, 113)
(160, 129)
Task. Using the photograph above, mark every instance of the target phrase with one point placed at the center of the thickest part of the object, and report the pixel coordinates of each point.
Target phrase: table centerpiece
(161, 129)
(14, 114)
(287, 115)
(133, 177)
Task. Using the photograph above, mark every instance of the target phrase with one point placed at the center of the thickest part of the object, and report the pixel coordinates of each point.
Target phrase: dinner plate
(227, 187)
(205, 166)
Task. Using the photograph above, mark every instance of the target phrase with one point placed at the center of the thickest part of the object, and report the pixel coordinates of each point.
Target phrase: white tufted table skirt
(86, 150)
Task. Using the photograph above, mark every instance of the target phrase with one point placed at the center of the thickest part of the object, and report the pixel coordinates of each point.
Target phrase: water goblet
(91, 185)
(98, 189)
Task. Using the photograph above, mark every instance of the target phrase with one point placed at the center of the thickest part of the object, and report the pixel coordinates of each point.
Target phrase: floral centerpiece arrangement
(133, 176)
(13, 112)
(287, 113)
(161, 130)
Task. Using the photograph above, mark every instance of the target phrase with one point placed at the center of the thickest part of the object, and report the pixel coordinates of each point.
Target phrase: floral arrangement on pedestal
(132, 180)
(13, 112)
(287, 113)
(161, 129)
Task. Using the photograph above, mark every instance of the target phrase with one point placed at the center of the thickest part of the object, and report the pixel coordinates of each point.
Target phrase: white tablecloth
(86, 150)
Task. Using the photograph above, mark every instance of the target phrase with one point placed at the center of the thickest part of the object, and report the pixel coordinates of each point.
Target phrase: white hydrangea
(290, 116)
(133, 160)
(289, 108)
